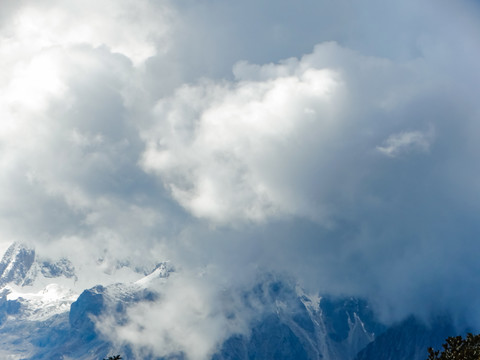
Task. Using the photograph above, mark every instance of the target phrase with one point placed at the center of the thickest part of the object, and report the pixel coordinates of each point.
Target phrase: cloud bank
(235, 138)
(294, 139)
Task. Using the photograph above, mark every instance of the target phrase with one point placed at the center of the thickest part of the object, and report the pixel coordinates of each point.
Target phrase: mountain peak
(15, 264)
(21, 266)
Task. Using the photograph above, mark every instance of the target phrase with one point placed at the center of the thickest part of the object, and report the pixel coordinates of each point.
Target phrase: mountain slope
(409, 339)
(41, 319)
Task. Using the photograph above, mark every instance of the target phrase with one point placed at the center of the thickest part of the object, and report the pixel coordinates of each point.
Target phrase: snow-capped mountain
(302, 326)
(16, 264)
(44, 315)
(20, 266)
(39, 286)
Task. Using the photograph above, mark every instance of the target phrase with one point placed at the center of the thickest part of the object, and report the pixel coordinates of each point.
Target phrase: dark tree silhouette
(458, 348)
(115, 357)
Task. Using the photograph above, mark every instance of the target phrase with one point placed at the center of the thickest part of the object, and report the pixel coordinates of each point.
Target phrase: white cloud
(282, 140)
(213, 157)
(192, 316)
(67, 97)
(403, 142)
(113, 24)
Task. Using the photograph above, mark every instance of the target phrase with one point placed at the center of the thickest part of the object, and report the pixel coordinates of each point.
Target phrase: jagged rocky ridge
(20, 266)
(58, 324)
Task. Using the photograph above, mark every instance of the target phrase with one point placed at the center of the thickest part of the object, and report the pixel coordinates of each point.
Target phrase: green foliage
(457, 348)
(115, 357)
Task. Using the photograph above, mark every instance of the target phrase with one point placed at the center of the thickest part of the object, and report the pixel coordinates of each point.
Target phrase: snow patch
(36, 306)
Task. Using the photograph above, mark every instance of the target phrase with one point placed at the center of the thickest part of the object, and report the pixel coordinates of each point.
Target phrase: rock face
(20, 266)
(62, 267)
(57, 324)
(90, 303)
(409, 339)
(304, 327)
(16, 264)
(7, 307)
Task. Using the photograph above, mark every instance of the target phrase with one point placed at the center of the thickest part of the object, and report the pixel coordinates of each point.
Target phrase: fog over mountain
(332, 143)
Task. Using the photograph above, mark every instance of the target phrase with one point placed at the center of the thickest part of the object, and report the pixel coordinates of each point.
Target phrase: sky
(332, 141)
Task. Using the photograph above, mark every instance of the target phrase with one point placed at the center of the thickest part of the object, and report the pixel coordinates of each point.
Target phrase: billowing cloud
(294, 139)
(214, 159)
(190, 317)
(68, 138)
